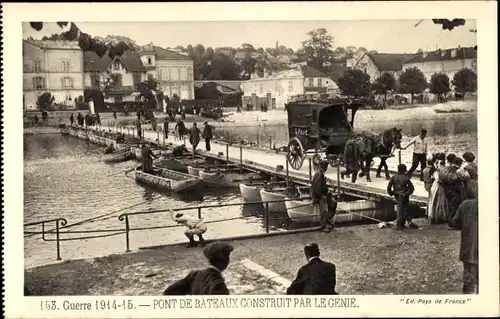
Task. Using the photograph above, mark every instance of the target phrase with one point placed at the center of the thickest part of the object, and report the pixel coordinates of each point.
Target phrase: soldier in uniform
(317, 277)
(208, 281)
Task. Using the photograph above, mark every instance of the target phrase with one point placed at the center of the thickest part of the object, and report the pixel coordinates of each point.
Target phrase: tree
(440, 85)
(318, 48)
(386, 82)
(45, 101)
(412, 81)
(113, 40)
(354, 83)
(199, 49)
(447, 24)
(420, 51)
(248, 64)
(85, 41)
(465, 80)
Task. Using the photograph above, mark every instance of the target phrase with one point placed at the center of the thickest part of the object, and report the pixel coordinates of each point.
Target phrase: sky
(385, 36)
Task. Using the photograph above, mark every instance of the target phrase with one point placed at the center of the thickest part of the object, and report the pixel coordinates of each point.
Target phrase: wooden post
(227, 152)
(338, 179)
(270, 143)
(158, 136)
(310, 170)
(241, 159)
(399, 156)
(258, 140)
(163, 139)
(286, 172)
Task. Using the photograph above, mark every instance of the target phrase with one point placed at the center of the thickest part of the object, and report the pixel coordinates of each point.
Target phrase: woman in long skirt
(436, 196)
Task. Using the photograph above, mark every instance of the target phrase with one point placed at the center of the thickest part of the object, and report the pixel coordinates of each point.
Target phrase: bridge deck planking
(268, 161)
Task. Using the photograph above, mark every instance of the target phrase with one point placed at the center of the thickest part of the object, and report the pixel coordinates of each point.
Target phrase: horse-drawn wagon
(320, 127)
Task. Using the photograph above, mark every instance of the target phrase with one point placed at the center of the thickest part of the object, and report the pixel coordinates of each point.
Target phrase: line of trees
(411, 81)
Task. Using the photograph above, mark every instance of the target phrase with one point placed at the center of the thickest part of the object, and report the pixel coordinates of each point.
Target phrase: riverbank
(369, 260)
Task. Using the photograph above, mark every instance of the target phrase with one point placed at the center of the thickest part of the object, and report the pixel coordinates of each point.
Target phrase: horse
(361, 149)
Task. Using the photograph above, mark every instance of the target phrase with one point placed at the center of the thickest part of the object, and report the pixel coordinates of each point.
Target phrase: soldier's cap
(217, 249)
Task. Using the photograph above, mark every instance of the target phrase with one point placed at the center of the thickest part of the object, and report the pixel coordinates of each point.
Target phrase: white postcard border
(486, 303)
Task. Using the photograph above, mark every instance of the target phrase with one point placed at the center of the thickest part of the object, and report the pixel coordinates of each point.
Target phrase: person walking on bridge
(319, 196)
(72, 118)
(419, 153)
(207, 135)
(194, 136)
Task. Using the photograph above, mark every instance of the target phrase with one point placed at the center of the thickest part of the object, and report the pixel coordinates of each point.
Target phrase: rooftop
(161, 53)
(390, 61)
(131, 61)
(54, 44)
(445, 55)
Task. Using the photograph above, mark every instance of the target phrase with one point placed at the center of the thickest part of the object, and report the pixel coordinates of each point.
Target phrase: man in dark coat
(208, 281)
(466, 220)
(401, 187)
(147, 159)
(72, 118)
(317, 277)
(207, 135)
(194, 136)
(165, 127)
(319, 196)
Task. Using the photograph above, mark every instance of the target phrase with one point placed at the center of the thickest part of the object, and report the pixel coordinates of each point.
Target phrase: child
(195, 227)
(401, 187)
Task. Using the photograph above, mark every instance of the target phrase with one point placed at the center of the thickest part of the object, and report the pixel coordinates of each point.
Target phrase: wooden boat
(227, 178)
(168, 180)
(277, 194)
(195, 171)
(138, 153)
(64, 131)
(82, 135)
(179, 163)
(347, 212)
(251, 191)
(121, 155)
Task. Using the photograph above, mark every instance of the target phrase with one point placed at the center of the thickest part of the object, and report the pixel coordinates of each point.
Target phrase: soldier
(401, 187)
(208, 281)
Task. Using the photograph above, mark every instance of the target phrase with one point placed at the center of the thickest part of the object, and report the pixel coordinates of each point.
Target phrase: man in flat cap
(208, 281)
(317, 277)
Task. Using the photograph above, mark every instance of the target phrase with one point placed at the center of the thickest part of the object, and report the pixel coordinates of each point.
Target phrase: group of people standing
(87, 120)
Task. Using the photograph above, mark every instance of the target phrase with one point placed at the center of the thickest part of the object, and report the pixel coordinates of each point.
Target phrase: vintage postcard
(244, 160)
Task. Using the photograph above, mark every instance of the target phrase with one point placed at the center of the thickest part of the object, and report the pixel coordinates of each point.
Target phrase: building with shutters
(52, 66)
(173, 71)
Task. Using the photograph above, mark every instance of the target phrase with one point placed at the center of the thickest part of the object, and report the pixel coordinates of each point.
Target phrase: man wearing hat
(317, 277)
(319, 196)
(194, 136)
(207, 135)
(208, 281)
(401, 187)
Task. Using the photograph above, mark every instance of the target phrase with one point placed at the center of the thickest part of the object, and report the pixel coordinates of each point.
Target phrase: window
(310, 82)
(169, 74)
(67, 83)
(38, 83)
(94, 80)
(365, 70)
(68, 97)
(261, 87)
(150, 62)
(136, 78)
(66, 66)
(320, 82)
(37, 68)
(118, 99)
(190, 73)
(179, 74)
(116, 65)
(118, 80)
(290, 85)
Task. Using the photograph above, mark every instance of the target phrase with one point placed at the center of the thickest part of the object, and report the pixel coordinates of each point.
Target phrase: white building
(448, 61)
(275, 90)
(173, 71)
(52, 66)
(375, 64)
(127, 69)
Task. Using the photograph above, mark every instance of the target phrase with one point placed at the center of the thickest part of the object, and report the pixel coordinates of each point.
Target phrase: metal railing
(62, 223)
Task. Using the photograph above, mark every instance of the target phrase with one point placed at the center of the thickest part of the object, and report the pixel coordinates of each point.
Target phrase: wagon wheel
(316, 160)
(295, 154)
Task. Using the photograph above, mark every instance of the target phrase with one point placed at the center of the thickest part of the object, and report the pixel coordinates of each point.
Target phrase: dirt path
(369, 261)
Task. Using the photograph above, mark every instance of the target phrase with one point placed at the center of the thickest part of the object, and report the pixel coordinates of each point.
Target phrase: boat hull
(171, 181)
(302, 211)
(178, 164)
(225, 179)
(121, 155)
(195, 171)
(266, 196)
(250, 193)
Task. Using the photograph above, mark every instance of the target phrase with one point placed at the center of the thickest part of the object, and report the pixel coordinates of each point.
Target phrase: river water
(65, 177)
